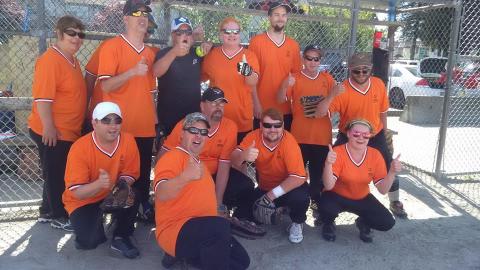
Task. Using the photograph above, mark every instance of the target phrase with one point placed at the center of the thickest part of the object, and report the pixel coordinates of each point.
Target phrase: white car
(405, 81)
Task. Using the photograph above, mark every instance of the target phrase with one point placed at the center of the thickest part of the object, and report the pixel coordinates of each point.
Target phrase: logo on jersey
(195, 61)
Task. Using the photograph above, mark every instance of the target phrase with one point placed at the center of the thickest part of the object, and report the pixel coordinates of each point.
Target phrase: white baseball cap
(105, 108)
(177, 22)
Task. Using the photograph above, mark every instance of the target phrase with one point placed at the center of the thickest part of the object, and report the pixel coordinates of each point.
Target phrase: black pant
(372, 212)
(208, 241)
(315, 155)
(239, 188)
(378, 142)
(287, 122)
(297, 200)
(142, 185)
(241, 135)
(87, 222)
(53, 160)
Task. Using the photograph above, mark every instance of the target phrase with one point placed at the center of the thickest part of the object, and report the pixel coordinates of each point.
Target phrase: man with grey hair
(365, 97)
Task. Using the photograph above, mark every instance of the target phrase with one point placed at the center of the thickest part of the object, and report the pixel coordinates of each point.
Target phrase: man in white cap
(96, 162)
(178, 71)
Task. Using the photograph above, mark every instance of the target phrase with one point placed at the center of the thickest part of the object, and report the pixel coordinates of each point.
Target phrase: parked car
(405, 81)
(406, 62)
(466, 79)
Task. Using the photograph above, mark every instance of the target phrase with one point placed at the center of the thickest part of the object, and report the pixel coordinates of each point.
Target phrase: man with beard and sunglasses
(365, 97)
(280, 173)
(187, 225)
(126, 78)
(231, 186)
(304, 91)
(178, 71)
(278, 56)
(96, 162)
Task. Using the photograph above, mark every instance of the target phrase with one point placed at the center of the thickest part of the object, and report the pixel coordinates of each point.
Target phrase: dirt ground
(442, 232)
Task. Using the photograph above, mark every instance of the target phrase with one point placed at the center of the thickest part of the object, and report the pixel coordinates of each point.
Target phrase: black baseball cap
(135, 5)
(213, 94)
(276, 4)
(312, 47)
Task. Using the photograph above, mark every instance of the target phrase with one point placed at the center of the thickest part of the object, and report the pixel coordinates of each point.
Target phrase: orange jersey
(87, 157)
(134, 97)
(276, 61)
(221, 70)
(353, 178)
(196, 199)
(92, 69)
(310, 130)
(60, 82)
(275, 164)
(218, 146)
(368, 105)
(154, 49)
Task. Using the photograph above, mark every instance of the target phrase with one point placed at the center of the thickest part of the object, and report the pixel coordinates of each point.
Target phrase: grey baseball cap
(192, 118)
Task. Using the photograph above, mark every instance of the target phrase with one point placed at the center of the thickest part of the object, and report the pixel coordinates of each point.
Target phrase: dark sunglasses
(270, 125)
(139, 13)
(73, 33)
(361, 71)
(183, 32)
(231, 31)
(308, 58)
(111, 120)
(194, 131)
(365, 135)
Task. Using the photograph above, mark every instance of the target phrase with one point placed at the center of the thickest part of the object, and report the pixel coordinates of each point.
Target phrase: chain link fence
(421, 33)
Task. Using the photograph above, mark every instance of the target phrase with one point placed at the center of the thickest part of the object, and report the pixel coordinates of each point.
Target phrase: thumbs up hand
(244, 68)
(103, 180)
(396, 165)
(193, 170)
(141, 68)
(251, 153)
(331, 156)
(291, 80)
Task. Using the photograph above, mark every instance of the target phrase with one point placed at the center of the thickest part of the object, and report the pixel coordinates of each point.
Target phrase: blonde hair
(228, 20)
(360, 122)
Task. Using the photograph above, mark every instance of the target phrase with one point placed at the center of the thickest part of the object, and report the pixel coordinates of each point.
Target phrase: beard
(278, 28)
(217, 116)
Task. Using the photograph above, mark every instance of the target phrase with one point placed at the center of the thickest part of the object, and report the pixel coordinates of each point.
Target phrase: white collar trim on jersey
(350, 156)
(276, 44)
(235, 54)
(131, 45)
(188, 153)
(66, 58)
(311, 78)
(358, 89)
(275, 146)
(103, 150)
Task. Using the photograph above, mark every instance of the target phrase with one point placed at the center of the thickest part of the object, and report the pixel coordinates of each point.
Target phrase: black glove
(244, 68)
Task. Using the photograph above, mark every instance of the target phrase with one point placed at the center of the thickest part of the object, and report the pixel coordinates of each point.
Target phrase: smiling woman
(57, 114)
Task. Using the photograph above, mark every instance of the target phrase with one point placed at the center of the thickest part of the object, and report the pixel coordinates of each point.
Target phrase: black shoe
(365, 231)
(125, 246)
(168, 261)
(328, 232)
(44, 218)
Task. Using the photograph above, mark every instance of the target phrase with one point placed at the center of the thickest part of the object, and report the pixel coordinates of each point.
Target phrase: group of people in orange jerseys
(253, 144)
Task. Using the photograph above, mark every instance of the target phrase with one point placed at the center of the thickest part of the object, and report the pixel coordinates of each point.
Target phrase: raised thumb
(244, 58)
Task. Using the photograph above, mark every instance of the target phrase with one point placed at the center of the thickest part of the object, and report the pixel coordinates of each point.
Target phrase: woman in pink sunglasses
(348, 171)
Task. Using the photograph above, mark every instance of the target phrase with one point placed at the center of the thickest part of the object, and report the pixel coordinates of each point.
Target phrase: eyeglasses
(308, 58)
(183, 32)
(139, 13)
(231, 31)
(73, 33)
(361, 71)
(194, 131)
(270, 125)
(111, 120)
(365, 135)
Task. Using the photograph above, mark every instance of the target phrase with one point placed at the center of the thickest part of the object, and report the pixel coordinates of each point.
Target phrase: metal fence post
(452, 58)
(42, 38)
(353, 27)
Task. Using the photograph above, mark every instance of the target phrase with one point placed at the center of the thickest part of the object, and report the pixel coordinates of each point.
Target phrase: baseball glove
(121, 196)
(265, 211)
(309, 104)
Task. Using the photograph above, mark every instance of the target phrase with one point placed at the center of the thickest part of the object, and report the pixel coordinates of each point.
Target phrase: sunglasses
(195, 131)
(308, 58)
(139, 13)
(365, 135)
(231, 31)
(73, 33)
(183, 32)
(270, 125)
(361, 71)
(111, 120)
